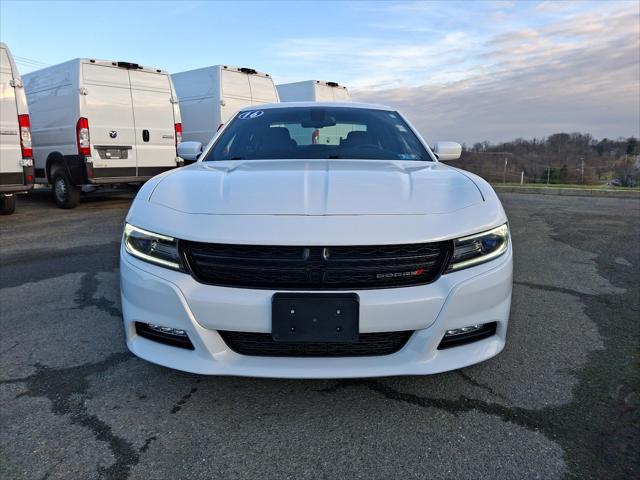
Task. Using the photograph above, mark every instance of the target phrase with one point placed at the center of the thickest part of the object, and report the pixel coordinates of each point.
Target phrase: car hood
(316, 187)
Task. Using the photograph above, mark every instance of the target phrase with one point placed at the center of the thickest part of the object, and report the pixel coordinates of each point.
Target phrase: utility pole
(548, 174)
(521, 177)
(582, 170)
(504, 174)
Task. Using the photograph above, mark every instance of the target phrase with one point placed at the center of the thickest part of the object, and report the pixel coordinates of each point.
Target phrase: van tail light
(25, 136)
(82, 137)
(178, 127)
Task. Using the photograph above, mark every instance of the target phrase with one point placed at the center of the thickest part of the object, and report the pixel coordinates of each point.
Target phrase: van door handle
(145, 135)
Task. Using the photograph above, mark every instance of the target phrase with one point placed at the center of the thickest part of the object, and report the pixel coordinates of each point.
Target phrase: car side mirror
(189, 151)
(447, 151)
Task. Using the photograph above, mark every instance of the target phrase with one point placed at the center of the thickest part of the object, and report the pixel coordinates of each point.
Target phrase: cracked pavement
(561, 401)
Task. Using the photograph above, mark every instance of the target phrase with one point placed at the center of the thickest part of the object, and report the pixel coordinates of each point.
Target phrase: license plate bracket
(315, 317)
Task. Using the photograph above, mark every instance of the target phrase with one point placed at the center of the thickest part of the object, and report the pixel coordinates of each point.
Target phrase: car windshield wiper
(236, 158)
(333, 157)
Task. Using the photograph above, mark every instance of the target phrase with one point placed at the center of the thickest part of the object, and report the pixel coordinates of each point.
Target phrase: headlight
(152, 247)
(479, 248)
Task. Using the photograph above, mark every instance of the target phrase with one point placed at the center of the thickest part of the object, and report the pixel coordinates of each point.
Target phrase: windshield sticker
(251, 114)
(401, 128)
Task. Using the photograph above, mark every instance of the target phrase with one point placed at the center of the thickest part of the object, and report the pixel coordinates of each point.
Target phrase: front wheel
(65, 194)
(7, 204)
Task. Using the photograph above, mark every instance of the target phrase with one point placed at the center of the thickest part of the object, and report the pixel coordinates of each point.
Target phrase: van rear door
(241, 89)
(324, 93)
(331, 93)
(262, 90)
(236, 92)
(107, 106)
(154, 122)
(10, 151)
(341, 94)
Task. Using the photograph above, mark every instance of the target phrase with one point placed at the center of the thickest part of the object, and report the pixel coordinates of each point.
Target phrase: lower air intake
(262, 345)
(472, 333)
(156, 333)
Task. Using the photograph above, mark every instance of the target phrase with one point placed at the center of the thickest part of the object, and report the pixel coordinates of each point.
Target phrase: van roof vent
(250, 71)
(333, 84)
(129, 65)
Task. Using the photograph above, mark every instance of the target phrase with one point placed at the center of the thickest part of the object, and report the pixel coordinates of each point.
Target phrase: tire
(65, 194)
(7, 204)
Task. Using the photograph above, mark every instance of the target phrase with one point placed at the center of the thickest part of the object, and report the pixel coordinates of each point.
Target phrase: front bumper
(152, 294)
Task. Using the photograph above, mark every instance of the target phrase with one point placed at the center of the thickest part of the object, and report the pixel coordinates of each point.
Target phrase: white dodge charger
(316, 240)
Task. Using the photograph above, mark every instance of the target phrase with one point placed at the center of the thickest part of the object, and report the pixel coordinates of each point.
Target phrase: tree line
(558, 158)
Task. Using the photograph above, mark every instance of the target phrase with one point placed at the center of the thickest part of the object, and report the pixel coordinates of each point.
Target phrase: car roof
(369, 106)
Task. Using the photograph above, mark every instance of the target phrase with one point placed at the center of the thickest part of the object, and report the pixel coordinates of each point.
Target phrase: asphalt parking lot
(562, 400)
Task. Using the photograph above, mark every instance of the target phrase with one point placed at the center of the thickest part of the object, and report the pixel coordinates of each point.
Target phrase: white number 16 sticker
(251, 114)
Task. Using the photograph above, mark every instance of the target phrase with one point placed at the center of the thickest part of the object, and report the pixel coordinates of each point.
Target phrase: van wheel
(7, 204)
(65, 194)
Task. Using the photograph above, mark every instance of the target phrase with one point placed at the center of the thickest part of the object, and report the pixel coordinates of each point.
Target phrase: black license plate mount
(315, 317)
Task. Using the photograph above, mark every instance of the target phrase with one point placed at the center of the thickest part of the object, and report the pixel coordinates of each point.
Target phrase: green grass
(567, 185)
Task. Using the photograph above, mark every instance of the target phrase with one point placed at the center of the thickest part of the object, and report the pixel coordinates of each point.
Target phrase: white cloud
(581, 73)
(368, 62)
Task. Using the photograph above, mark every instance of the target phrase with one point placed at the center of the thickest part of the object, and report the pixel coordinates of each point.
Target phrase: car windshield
(318, 132)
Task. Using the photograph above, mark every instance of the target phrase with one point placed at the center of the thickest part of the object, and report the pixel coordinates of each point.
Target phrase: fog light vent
(167, 335)
(464, 335)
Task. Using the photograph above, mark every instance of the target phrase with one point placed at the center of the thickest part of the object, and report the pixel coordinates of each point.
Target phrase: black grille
(320, 268)
(261, 344)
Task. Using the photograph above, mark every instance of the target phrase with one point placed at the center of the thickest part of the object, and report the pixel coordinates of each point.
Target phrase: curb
(571, 192)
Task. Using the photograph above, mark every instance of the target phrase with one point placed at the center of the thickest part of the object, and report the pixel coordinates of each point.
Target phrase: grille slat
(373, 258)
(390, 251)
(316, 268)
(369, 344)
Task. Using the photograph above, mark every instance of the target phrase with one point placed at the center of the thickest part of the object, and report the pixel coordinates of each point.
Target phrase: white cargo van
(16, 162)
(97, 122)
(317, 91)
(210, 96)
(313, 91)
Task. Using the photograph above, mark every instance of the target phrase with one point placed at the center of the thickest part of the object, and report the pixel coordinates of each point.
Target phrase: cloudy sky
(466, 71)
